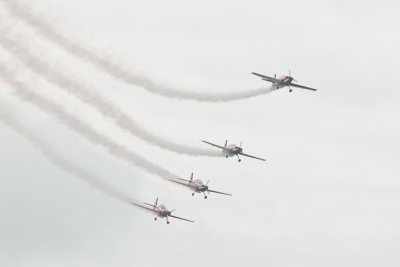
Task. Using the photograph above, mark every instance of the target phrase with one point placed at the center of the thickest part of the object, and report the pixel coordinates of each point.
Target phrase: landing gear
(155, 218)
(226, 156)
(167, 222)
(239, 160)
(205, 196)
(192, 194)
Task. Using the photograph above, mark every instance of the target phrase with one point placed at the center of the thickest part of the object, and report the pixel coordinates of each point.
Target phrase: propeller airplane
(161, 211)
(197, 186)
(282, 81)
(233, 150)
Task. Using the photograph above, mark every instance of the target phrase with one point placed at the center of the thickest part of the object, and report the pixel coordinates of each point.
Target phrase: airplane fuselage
(198, 186)
(161, 212)
(232, 150)
(283, 81)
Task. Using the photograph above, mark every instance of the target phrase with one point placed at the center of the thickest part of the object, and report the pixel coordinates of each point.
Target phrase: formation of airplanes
(232, 150)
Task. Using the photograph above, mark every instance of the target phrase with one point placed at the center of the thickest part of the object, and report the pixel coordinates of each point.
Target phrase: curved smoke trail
(22, 92)
(117, 70)
(85, 94)
(61, 162)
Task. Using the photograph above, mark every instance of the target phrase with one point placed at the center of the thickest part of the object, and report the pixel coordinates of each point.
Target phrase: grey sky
(328, 194)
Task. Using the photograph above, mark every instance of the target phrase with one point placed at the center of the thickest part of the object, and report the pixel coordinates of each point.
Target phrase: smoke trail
(21, 91)
(82, 92)
(61, 162)
(117, 70)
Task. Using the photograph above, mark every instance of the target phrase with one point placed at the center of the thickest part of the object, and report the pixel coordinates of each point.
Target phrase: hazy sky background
(328, 194)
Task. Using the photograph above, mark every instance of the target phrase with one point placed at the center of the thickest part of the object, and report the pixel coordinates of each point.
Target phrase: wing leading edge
(217, 192)
(246, 155)
(265, 77)
(302, 87)
(143, 207)
(180, 218)
(214, 145)
(181, 183)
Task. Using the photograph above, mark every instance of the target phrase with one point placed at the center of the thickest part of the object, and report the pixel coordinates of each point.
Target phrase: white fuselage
(161, 211)
(198, 186)
(283, 81)
(232, 150)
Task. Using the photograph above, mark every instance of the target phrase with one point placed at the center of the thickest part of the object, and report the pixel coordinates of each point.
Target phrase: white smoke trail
(58, 160)
(117, 70)
(22, 91)
(105, 107)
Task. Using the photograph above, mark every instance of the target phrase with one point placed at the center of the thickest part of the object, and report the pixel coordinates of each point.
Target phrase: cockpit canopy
(162, 206)
(198, 181)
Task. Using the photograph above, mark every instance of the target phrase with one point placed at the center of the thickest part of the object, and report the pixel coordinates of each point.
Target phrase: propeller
(206, 187)
(170, 212)
(241, 142)
(290, 75)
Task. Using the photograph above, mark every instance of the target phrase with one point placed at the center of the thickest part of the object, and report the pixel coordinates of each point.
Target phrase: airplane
(282, 81)
(198, 186)
(233, 150)
(161, 211)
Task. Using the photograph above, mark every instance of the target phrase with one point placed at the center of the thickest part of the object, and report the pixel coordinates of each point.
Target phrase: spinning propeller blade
(290, 75)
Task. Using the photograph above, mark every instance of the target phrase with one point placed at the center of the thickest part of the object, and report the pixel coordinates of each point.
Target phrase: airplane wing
(183, 219)
(246, 155)
(212, 191)
(266, 78)
(181, 183)
(302, 87)
(214, 145)
(143, 207)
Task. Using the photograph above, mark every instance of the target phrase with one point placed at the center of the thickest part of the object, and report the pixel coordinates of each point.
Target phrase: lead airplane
(197, 186)
(233, 150)
(282, 81)
(161, 211)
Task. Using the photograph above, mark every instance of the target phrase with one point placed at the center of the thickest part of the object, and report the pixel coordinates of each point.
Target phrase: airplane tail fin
(155, 203)
(226, 143)
(191, 177)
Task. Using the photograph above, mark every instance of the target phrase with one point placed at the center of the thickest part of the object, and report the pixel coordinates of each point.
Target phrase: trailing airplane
(197, 186)
(161, 211)
(282, 81)
(232, 150)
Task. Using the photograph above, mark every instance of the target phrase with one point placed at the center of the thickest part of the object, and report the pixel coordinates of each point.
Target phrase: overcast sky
(328, 194)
